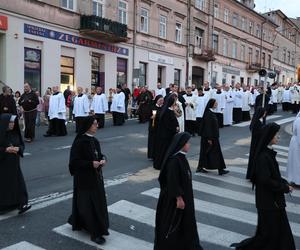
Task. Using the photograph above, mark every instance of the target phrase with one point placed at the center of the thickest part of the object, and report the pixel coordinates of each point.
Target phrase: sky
(289, 7)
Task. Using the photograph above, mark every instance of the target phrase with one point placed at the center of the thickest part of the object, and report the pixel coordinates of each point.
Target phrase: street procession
(149, 125)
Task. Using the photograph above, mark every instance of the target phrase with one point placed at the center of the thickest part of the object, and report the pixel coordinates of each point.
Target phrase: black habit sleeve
(174, 178)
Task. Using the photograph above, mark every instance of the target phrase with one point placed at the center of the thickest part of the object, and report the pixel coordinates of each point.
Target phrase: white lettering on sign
(160, 58)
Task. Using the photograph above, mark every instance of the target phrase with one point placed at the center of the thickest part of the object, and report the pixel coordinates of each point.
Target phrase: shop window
(32, 67)
(121, 71)
(97, 75)
(160, 72)
(67, 70)
(143, 74)
(224, 78)
(177, 73)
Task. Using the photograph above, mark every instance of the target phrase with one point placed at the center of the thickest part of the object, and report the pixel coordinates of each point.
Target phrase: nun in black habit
(256, 126)
(153, 124)
(273, 231)
(13, 192)
(89, 210)
(167, 127)
(211, 156)
(175, 226)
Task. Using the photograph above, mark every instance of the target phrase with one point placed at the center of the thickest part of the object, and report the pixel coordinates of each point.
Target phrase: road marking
(280, 147)
(247, 123)
(231, 213)
(115, 241)
(26, 154)
(236, 195)
(279, 152)
(286, 120)
(23, 245)
(54, 198)
(63, 147)
(141, 214)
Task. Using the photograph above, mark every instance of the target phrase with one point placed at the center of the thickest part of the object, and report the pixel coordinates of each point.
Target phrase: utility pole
(188, 80)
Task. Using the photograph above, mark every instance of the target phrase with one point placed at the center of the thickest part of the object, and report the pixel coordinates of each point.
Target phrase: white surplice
(190, 108)
(81, 106)
(160, 91)
(99, 104)
(246, 99)
(118, 103)
(57, 107)
(293, 165)
(201, 102)
(220, 98)
(228, 110)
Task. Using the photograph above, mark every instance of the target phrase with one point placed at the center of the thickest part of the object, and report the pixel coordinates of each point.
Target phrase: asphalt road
(225, 207)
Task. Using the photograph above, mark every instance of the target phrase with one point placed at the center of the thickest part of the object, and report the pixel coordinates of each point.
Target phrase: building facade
(139, 42)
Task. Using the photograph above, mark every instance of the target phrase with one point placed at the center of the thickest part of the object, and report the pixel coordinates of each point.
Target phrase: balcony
(102, 28)
(204, 54)
(253, 67)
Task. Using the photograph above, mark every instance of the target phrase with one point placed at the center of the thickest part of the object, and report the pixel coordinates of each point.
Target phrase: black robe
(89, 210)
(211, 156)
(144, 110)
(273, 230)
(152, 132)
(255, 135)
(7, 104)
(176, 229)
(167, 128)
(13, 192)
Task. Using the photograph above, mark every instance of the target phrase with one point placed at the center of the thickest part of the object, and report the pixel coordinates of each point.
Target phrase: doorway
(197, 76)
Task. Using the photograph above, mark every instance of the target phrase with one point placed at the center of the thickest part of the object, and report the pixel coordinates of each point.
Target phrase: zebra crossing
(224, 205)
(273, 118)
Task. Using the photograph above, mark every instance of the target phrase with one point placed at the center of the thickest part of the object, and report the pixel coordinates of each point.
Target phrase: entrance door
(97, 75)
(197, 76)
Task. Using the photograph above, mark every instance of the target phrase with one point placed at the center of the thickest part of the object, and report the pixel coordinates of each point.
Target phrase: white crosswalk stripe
(23, 245)
(232, 188)
(245, 124)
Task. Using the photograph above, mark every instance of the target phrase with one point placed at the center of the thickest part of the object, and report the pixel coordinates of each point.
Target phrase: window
(143, 74)
(251, 27)
(68, 4)
(243, 50)
(123, 12)
(258, 30)
(288, 57)
(177, 76)
(215, 42)
(198, 37)
(216, 11)
(234, 50)
(200, 4)
(232, 80)
(160, 73)
(67, 70)
(98, 8)
(263, 59)
(144, 20)
(226, 16)
(32, 67)
(214, 78)
(284, 55)
(243, 23)
(121, 71)
(162, 27)
(235, 20)
(269, 61)
(250, 52)
(224, 78)
(257, 56)
(225, 47)
(98, 77)
(178, 33)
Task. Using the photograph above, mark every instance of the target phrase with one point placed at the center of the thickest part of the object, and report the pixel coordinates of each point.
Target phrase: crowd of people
(174, 115)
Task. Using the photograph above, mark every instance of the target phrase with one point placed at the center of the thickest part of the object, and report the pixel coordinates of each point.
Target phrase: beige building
(286, 51)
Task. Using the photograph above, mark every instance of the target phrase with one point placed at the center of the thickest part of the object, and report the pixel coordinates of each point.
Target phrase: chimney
(249, 3)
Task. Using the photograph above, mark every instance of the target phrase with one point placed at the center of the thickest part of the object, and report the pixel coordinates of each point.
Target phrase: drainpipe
(212, 13)
(188, 60)
(134, 41)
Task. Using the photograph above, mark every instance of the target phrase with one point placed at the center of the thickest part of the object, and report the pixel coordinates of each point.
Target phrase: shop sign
(3, 23)
(160, 58)
(68, 38)
(231, 71)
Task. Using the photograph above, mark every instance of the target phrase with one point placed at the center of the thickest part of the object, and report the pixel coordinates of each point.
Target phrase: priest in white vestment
(81, 107)
(118, 107)
(220, 98)
(160, 90)
(207, 90)
(201, 102)
(246, 102)
(238, 103)
(293, 165)
(228, 110)
(190, 111)
(57, 114)
(99, 107)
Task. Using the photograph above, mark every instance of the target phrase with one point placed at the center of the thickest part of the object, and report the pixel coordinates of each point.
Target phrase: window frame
(226, 15)
(162, 27)
(200, 4)
(234, 50)
(178, 33)
(123, 11)
(146, 21)
(99, 2)
(69, 67)
(67, 7)
(225, 46)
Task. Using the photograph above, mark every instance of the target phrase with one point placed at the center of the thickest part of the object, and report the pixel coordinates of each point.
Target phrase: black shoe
(99, 240)
(24, 208)
(201, 170)
(222, 172)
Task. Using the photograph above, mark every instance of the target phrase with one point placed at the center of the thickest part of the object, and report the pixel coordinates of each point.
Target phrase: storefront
(3, 28)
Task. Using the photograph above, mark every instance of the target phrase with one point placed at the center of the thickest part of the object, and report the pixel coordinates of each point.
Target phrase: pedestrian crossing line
(236, 195)
(279, 152)
(243, 170)
(115, 240)
(247, 123)
(280, 147)
(23, 245)
(286, 120)
(210, 234)
(281, 160)
(226, 212)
